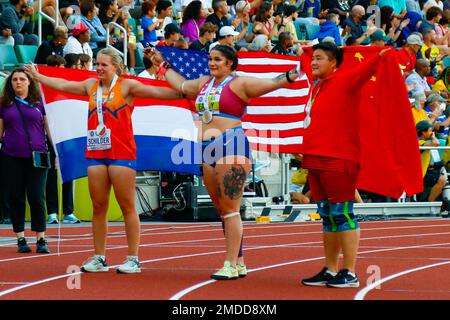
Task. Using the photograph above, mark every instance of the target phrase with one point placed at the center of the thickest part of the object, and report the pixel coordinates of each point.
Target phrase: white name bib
(97, 141)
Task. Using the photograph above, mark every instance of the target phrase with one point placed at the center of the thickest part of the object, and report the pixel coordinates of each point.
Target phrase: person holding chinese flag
(336, 154)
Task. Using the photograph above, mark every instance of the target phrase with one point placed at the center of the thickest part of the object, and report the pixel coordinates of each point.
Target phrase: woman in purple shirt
(193, 18)
(23, 128)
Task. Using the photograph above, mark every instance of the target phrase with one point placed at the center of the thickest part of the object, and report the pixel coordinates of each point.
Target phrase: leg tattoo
(233, 181)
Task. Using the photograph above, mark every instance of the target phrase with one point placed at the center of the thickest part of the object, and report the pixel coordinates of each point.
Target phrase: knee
(18, 38)
(441, 181)
(127, 206)
(341, 218)
(31, 39)
(100, 205)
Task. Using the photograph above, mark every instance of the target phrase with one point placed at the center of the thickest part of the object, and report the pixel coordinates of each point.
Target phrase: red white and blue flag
(161, 127)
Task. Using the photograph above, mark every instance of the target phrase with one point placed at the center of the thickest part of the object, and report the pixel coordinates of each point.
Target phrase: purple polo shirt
(15, 139)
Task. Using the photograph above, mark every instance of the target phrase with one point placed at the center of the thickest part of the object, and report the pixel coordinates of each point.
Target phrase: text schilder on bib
(95, 141)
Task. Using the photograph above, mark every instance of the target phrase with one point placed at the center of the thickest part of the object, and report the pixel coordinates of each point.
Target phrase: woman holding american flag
(220, 101)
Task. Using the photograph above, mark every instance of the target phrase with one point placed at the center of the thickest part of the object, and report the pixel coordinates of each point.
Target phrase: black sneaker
(41, 246)
(319, 280)
(22, 245)
(344, 280)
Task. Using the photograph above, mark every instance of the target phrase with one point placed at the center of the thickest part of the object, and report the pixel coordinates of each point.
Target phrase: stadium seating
(26, 54)
(312, 31)
(8, 59)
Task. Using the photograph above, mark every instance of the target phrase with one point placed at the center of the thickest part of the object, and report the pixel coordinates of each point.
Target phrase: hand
(7, 32)
(246, 20)
(123, 14)
(31, 70)
(154, 56)
(29, 11)
(404, 23)
(437, 113)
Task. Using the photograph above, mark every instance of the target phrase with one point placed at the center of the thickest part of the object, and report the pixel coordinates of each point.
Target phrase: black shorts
(431, 178)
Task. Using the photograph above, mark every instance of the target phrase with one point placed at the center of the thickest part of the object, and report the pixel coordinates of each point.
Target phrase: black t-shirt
(47, 48)
(214, 19)
(198, 46)
(280, 50)
(343, 5)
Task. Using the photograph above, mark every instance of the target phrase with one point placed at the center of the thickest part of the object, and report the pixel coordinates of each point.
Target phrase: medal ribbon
(100, 99)
(209, 88)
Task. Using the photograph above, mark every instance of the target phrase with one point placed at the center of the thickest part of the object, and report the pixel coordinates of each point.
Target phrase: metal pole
(125, 41)
(41, 14)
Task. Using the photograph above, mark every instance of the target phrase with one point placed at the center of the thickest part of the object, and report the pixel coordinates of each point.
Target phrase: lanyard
(24, 102)
(100, 100)
(218, 88)
(311, 100)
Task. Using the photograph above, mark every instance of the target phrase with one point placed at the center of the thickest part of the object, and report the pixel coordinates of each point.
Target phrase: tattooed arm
(249, 87)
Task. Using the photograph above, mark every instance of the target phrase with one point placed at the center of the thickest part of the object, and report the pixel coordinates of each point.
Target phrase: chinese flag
(389, 154)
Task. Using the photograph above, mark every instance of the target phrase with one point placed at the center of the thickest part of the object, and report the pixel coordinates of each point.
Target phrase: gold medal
(207, 116)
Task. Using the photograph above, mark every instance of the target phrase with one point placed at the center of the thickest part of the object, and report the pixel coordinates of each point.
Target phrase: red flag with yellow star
(389, 156)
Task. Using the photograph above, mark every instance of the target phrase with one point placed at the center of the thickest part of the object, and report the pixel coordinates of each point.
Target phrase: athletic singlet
(229, 103)
(117, 118)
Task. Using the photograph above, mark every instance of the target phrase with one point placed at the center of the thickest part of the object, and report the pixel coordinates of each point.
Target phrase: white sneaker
(52, 218)
(95, 264)
(70, 218)
(130, 265)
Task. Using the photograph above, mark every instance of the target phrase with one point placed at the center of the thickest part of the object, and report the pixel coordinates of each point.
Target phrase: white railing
(434, 148)
(125, 41)
(41, 14)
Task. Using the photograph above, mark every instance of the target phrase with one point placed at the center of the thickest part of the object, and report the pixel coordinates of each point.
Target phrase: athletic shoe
(70, 218)
(319, 280)
(22, 245)
(344, 279)
(242, 270)
(95, 264)
(52, 218)
(41, 246)
(130, 265)
(226, 273)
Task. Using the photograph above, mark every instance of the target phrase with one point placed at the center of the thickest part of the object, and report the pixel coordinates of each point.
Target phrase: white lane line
(362, 293)
(216, 239)
(184, 292)
(219, 239)
(46, 280)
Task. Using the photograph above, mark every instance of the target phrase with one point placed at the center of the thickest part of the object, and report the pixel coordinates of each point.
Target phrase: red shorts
(333, 186)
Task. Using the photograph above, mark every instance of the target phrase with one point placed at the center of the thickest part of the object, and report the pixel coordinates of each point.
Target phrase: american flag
(191, 64)
(274, 121)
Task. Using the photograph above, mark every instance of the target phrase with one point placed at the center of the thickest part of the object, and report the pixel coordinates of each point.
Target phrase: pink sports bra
(222, 100)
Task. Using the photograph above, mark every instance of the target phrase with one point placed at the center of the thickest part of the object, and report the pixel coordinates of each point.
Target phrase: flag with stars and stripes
(191, 64)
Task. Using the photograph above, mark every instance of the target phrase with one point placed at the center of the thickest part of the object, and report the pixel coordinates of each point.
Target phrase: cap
(423, 125)
(227, 31)
(79, 28)
(435, 97)
(172, 28)
(329, 39)
(415, 39)
(240, 5)
(379, 35)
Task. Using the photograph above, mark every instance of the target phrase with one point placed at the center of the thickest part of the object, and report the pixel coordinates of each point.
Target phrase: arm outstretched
(75, 87)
